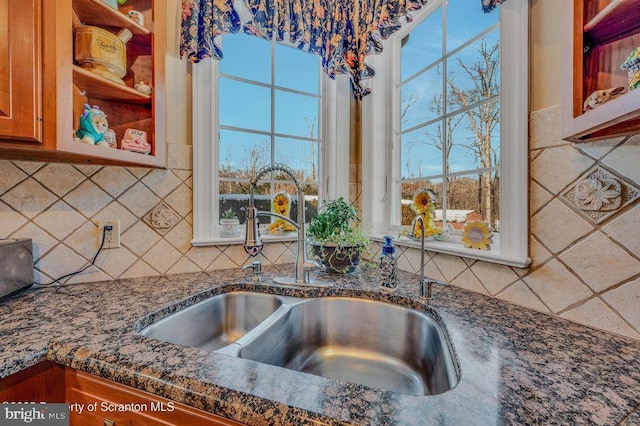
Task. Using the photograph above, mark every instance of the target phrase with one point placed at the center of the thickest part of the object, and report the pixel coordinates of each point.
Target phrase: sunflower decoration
(477, 235)
(423, 205)
(423, 202)
(281, 204)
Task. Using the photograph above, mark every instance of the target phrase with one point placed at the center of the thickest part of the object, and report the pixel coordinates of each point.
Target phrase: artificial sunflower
(430, 228)
(477, 235)
(280, 226)
(423, 202)
(281, 204)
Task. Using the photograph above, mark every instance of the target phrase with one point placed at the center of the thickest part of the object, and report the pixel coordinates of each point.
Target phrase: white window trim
(334, 152)
(380, 146)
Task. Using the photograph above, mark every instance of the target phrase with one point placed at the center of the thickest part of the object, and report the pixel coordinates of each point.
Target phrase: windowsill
(457, 249)
(223, 241)
(451, 248)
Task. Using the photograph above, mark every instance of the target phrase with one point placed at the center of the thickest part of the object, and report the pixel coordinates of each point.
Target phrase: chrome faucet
(253, 243)
(425, 283)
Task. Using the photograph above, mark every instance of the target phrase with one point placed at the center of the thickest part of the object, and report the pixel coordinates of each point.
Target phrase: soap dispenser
(388, 266)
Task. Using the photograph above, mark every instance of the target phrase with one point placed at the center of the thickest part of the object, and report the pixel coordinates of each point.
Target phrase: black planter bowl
(338, 258)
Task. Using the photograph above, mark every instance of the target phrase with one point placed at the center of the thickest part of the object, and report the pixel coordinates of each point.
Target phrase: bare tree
(482, 120)
(311, 125)
(435, 138)
(408, 101)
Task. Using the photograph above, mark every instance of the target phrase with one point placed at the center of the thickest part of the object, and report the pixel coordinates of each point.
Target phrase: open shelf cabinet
(600, 34)
(66, 87)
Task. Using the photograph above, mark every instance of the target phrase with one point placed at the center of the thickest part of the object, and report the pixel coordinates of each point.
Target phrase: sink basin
(372, 343)
(215, 322)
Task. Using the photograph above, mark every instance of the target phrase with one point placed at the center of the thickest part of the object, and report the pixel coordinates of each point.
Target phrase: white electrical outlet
(111, 237)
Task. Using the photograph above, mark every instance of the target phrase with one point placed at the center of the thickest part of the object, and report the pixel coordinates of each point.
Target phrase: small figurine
(112, 3)
(599, 97)
(136, 17)
(136, 141)
(143, 87)
(632, 65)
(110, 137)
(93, 124)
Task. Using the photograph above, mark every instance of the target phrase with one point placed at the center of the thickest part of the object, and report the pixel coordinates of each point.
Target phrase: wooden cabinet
(64, 87)
(115, 404)
(600, 35)
(20, 61)
(44, 382)
(121, 405)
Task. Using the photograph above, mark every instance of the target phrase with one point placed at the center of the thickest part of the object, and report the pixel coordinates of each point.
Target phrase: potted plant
(229, 224)
(336, 237)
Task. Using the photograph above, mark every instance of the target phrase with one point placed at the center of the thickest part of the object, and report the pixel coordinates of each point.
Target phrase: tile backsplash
(584, 235)
(584, 228)
(59, 207)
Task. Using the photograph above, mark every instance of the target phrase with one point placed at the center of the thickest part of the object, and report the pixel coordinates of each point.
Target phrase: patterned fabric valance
(343, 33)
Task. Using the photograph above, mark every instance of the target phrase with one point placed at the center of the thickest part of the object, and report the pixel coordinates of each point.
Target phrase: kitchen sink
(215, 322)
(368, 342)
(372, 343)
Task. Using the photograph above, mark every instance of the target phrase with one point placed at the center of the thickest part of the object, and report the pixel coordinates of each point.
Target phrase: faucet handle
(256, 265)
(311, 265)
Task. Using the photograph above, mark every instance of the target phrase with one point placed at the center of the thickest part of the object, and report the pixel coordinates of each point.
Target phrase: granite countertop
(517, 366)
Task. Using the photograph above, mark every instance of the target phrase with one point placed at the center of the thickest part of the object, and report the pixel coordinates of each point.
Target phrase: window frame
(333, 126)
(381, 158)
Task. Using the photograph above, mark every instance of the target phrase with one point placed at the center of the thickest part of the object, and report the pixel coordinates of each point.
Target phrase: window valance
(343, 33)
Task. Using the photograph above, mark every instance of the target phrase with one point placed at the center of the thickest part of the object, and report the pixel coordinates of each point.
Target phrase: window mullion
(273, 108)
(445, 137)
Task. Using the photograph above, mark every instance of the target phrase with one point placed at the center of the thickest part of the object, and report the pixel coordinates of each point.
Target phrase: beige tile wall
(586, 260)
(59, 207)
(585, 268)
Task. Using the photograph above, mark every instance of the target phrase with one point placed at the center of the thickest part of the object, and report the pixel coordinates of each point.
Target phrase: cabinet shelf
(599, 36)
(96, 12)
(619, 19)
(101, 88)
(620, 116)
(61, 88)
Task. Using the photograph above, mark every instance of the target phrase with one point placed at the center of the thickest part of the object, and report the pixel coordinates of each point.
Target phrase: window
(272, 104)
(456, 98)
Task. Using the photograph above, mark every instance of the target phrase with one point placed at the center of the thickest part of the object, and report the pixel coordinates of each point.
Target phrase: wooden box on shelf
(602, 34)
(67, 86)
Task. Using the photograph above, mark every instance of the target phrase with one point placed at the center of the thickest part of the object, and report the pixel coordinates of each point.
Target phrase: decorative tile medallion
(598, 194)
(162, 218)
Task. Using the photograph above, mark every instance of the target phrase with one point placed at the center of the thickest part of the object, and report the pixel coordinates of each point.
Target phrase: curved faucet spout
(425, 284)
(279, 216)
(253, 243)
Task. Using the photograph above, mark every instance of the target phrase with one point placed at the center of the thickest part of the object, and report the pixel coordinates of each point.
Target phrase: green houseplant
(336, 237)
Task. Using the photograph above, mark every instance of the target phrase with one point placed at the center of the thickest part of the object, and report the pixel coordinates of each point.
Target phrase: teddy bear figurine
(93, 124)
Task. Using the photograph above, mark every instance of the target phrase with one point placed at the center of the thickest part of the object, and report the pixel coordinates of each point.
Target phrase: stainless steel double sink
(373, 343)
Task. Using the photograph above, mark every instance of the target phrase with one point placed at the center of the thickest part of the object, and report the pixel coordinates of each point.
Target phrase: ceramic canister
(97, 48)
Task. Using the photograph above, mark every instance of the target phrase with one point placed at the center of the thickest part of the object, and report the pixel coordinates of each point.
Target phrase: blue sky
(248, 106)
(465, 20)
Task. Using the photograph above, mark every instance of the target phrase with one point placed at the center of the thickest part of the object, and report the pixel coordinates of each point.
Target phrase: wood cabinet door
(20, 62)
(121, 405)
